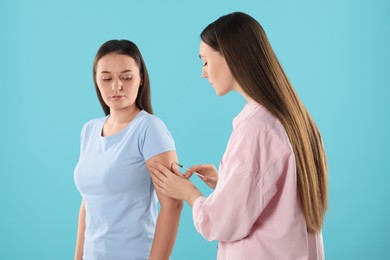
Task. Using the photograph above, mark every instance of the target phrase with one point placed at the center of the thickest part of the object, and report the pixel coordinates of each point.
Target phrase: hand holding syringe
(185, 168)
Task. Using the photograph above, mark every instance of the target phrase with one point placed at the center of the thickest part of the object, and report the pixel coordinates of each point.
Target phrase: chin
(221, 93)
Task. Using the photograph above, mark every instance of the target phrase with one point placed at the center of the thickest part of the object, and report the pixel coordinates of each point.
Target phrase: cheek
(226, 75)
(212, 73)
(217, 75)
(103, 91)
(132, 88)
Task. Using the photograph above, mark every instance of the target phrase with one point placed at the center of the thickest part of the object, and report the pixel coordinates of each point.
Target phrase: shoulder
(262, 125)
(147, 121)
(155, 138)
(260, 120)
(93, 124)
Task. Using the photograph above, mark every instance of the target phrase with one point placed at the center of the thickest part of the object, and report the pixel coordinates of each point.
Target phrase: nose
(204, 73)
(116, 85)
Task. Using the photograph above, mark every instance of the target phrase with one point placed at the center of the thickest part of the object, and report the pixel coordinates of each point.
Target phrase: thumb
(188, 174)
(190, 171)
(176, 170)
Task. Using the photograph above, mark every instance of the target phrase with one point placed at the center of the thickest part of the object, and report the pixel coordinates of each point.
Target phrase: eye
(106, 79)
(127, 78)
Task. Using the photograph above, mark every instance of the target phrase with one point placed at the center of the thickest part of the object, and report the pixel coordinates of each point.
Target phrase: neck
(123, 116)
(243, 94)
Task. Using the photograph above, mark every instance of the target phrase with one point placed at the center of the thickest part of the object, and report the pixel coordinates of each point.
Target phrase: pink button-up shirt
(255, 210)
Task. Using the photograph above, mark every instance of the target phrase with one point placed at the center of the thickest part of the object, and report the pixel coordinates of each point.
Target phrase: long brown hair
(143, 100)
(253, 63)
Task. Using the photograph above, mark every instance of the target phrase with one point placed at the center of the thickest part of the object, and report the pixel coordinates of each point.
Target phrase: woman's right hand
(209, 172)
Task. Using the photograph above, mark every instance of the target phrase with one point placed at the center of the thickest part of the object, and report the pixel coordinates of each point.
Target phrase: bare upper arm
(165, 159)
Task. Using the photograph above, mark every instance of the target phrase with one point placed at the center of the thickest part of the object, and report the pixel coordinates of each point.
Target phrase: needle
(185, 168)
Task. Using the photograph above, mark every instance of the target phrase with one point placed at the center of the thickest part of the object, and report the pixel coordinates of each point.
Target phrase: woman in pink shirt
(270, 192)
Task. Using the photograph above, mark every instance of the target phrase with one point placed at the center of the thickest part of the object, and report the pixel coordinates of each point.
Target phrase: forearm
(79, 248)
(80, 235)
(193, 194)
(166, 231)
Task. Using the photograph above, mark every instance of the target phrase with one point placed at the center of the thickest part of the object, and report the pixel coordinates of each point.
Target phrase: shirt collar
(248, 109)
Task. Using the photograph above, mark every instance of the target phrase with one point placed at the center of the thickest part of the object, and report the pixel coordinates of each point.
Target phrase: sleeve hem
(147, 157)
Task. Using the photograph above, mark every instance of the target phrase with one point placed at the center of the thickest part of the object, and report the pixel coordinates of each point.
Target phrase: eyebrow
(107, 72)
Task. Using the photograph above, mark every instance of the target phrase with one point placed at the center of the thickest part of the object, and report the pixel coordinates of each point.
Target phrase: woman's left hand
(174, 184)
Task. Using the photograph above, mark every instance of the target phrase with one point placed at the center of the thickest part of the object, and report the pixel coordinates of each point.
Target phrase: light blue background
(336, 53)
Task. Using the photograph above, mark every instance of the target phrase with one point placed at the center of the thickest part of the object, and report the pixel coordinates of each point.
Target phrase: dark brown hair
(249, 55)
(126, 47)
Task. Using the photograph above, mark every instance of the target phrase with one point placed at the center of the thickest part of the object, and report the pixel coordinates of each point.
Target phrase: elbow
(232, 237)
(236, 232)
(223, 233)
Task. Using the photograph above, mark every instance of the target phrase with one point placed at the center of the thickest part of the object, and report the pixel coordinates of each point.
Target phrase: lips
(116, 97)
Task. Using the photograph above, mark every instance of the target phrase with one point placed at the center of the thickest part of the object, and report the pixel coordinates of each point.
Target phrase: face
(118, 79)
(216, 70)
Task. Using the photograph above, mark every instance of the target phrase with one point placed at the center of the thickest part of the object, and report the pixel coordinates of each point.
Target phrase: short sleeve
(157, 139)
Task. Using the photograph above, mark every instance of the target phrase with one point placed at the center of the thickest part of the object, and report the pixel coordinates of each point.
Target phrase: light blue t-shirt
(119, 197)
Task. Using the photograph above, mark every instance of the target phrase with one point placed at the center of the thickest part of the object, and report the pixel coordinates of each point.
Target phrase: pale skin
(118, 78)
(175, 185)
(80, 233)
(169, 181)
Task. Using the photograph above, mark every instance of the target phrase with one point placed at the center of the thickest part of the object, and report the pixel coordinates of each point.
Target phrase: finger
(198, 168)
(163, 169)
(158, 183)
(201, 167)
(158, 175)
(156, 170)
(188, 174)
(160, 189)
(195, 170)
(176, 170)
(172, 174)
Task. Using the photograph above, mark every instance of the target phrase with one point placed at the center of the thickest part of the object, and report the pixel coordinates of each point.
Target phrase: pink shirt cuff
(197, 212)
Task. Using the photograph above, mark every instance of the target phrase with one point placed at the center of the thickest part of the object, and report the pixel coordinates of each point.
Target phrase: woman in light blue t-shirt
(118, 214)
